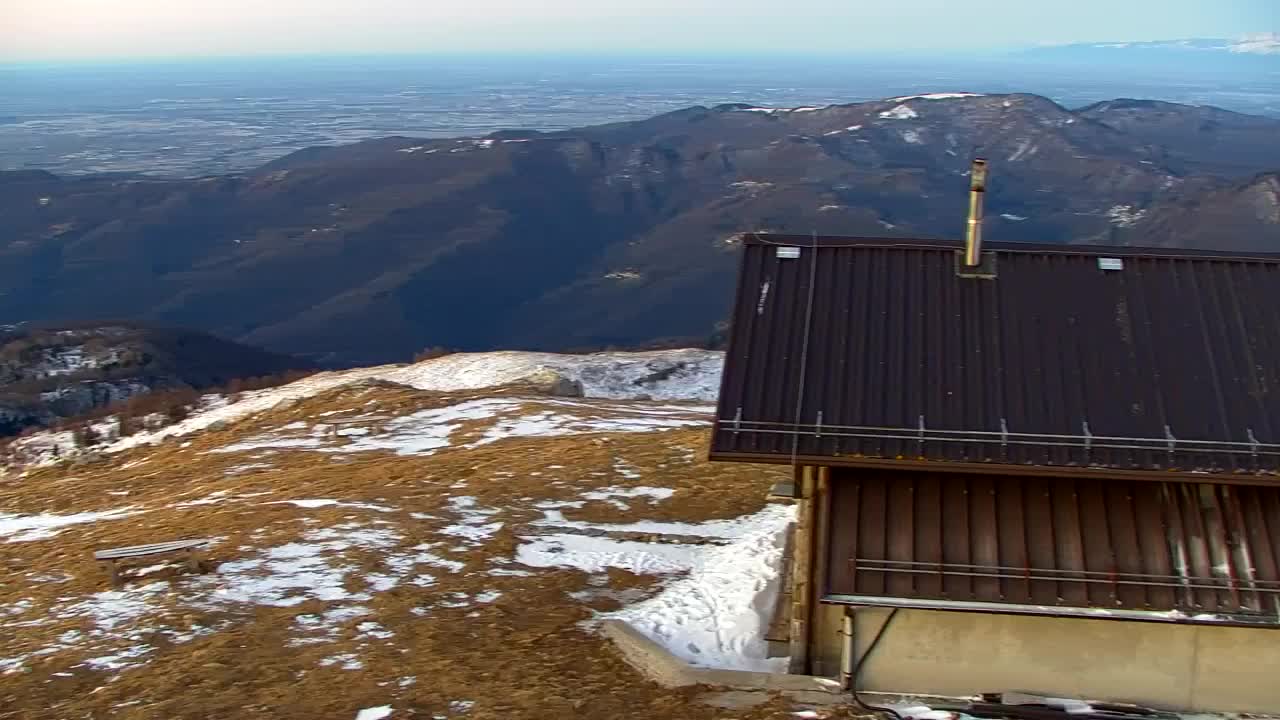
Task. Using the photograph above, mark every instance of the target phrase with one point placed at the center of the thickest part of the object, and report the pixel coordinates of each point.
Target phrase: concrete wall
(1179, 667)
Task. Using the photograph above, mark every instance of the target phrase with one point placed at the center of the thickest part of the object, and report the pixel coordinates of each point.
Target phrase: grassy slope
(524, 655)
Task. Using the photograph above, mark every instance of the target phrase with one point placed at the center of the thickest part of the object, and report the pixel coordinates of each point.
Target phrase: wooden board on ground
(112, 556)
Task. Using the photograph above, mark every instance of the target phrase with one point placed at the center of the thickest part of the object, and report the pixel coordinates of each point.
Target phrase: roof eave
(1200, 476)
(829, 241)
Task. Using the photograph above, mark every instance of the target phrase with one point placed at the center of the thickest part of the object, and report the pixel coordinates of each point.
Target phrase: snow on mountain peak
(771, 111)
(937, 96)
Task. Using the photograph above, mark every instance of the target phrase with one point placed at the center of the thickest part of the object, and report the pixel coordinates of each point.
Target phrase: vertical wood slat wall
(1061, 542)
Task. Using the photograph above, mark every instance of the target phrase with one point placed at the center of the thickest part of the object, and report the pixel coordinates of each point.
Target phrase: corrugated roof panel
(1170, 364)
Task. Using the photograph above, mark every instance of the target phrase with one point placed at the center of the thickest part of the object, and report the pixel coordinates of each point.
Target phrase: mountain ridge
(611, 235)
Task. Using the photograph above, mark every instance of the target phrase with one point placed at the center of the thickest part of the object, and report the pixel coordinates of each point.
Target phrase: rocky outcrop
(549, 382)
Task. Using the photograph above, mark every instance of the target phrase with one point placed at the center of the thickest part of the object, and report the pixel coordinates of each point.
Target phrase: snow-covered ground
(350, 561)
(716, 615)
(25, 528)
(426, 431)
(712, 612)
(659, 375)
(215, 409)
(679, 375)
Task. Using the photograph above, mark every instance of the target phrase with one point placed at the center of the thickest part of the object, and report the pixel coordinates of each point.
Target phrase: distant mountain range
(1263, 48)
(613, 235)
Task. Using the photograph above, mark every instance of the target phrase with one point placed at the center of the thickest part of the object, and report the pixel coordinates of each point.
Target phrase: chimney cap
(978, 174)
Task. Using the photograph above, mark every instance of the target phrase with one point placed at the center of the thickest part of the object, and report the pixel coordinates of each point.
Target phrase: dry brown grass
(526, 655)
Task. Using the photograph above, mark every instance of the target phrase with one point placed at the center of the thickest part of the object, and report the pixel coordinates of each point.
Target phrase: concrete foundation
(660, 666)
(1176, 667)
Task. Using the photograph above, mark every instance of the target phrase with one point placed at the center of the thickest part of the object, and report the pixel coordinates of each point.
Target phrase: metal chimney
(977, 193)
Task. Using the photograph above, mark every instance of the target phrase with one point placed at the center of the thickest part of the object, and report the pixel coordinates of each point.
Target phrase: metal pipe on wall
(847, 650)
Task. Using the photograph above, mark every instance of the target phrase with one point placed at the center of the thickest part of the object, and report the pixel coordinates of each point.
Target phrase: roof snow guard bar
(1085, 440)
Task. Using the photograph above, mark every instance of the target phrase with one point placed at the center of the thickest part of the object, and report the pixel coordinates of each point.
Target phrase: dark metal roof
(873, 351)
(1174, 552)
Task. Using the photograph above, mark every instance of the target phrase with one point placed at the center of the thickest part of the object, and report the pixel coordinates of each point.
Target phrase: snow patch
(474, 533)
(597, 554)
(473, 525)
(936, 96)
(423, 555)
(271, 442)
(751, 185)
(658, 375)
(311, 504)
(731, 529)
(609, 494)
(248, 467)
(345, 661)
(25, 528)
(851, 128)
(290, 574)
(623, 275)
(1025, 149)
(771, 111)
(426, 431)
(716, 616)
(113, 609)
(901, 112)
(121, 660)
(1125, 215)
(550, 424)
(374, 713)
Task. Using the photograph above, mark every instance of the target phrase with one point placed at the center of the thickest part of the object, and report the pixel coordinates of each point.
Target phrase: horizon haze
(61, 30)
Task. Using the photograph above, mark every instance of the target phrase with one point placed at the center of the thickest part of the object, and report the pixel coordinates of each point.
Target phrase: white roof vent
(1110, 264)
(788, 253)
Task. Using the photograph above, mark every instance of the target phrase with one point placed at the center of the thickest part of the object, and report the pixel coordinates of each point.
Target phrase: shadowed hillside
(612, 235)
(51, 374)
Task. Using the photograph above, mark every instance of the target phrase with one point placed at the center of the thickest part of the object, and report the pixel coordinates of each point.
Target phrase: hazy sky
(63, 29)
